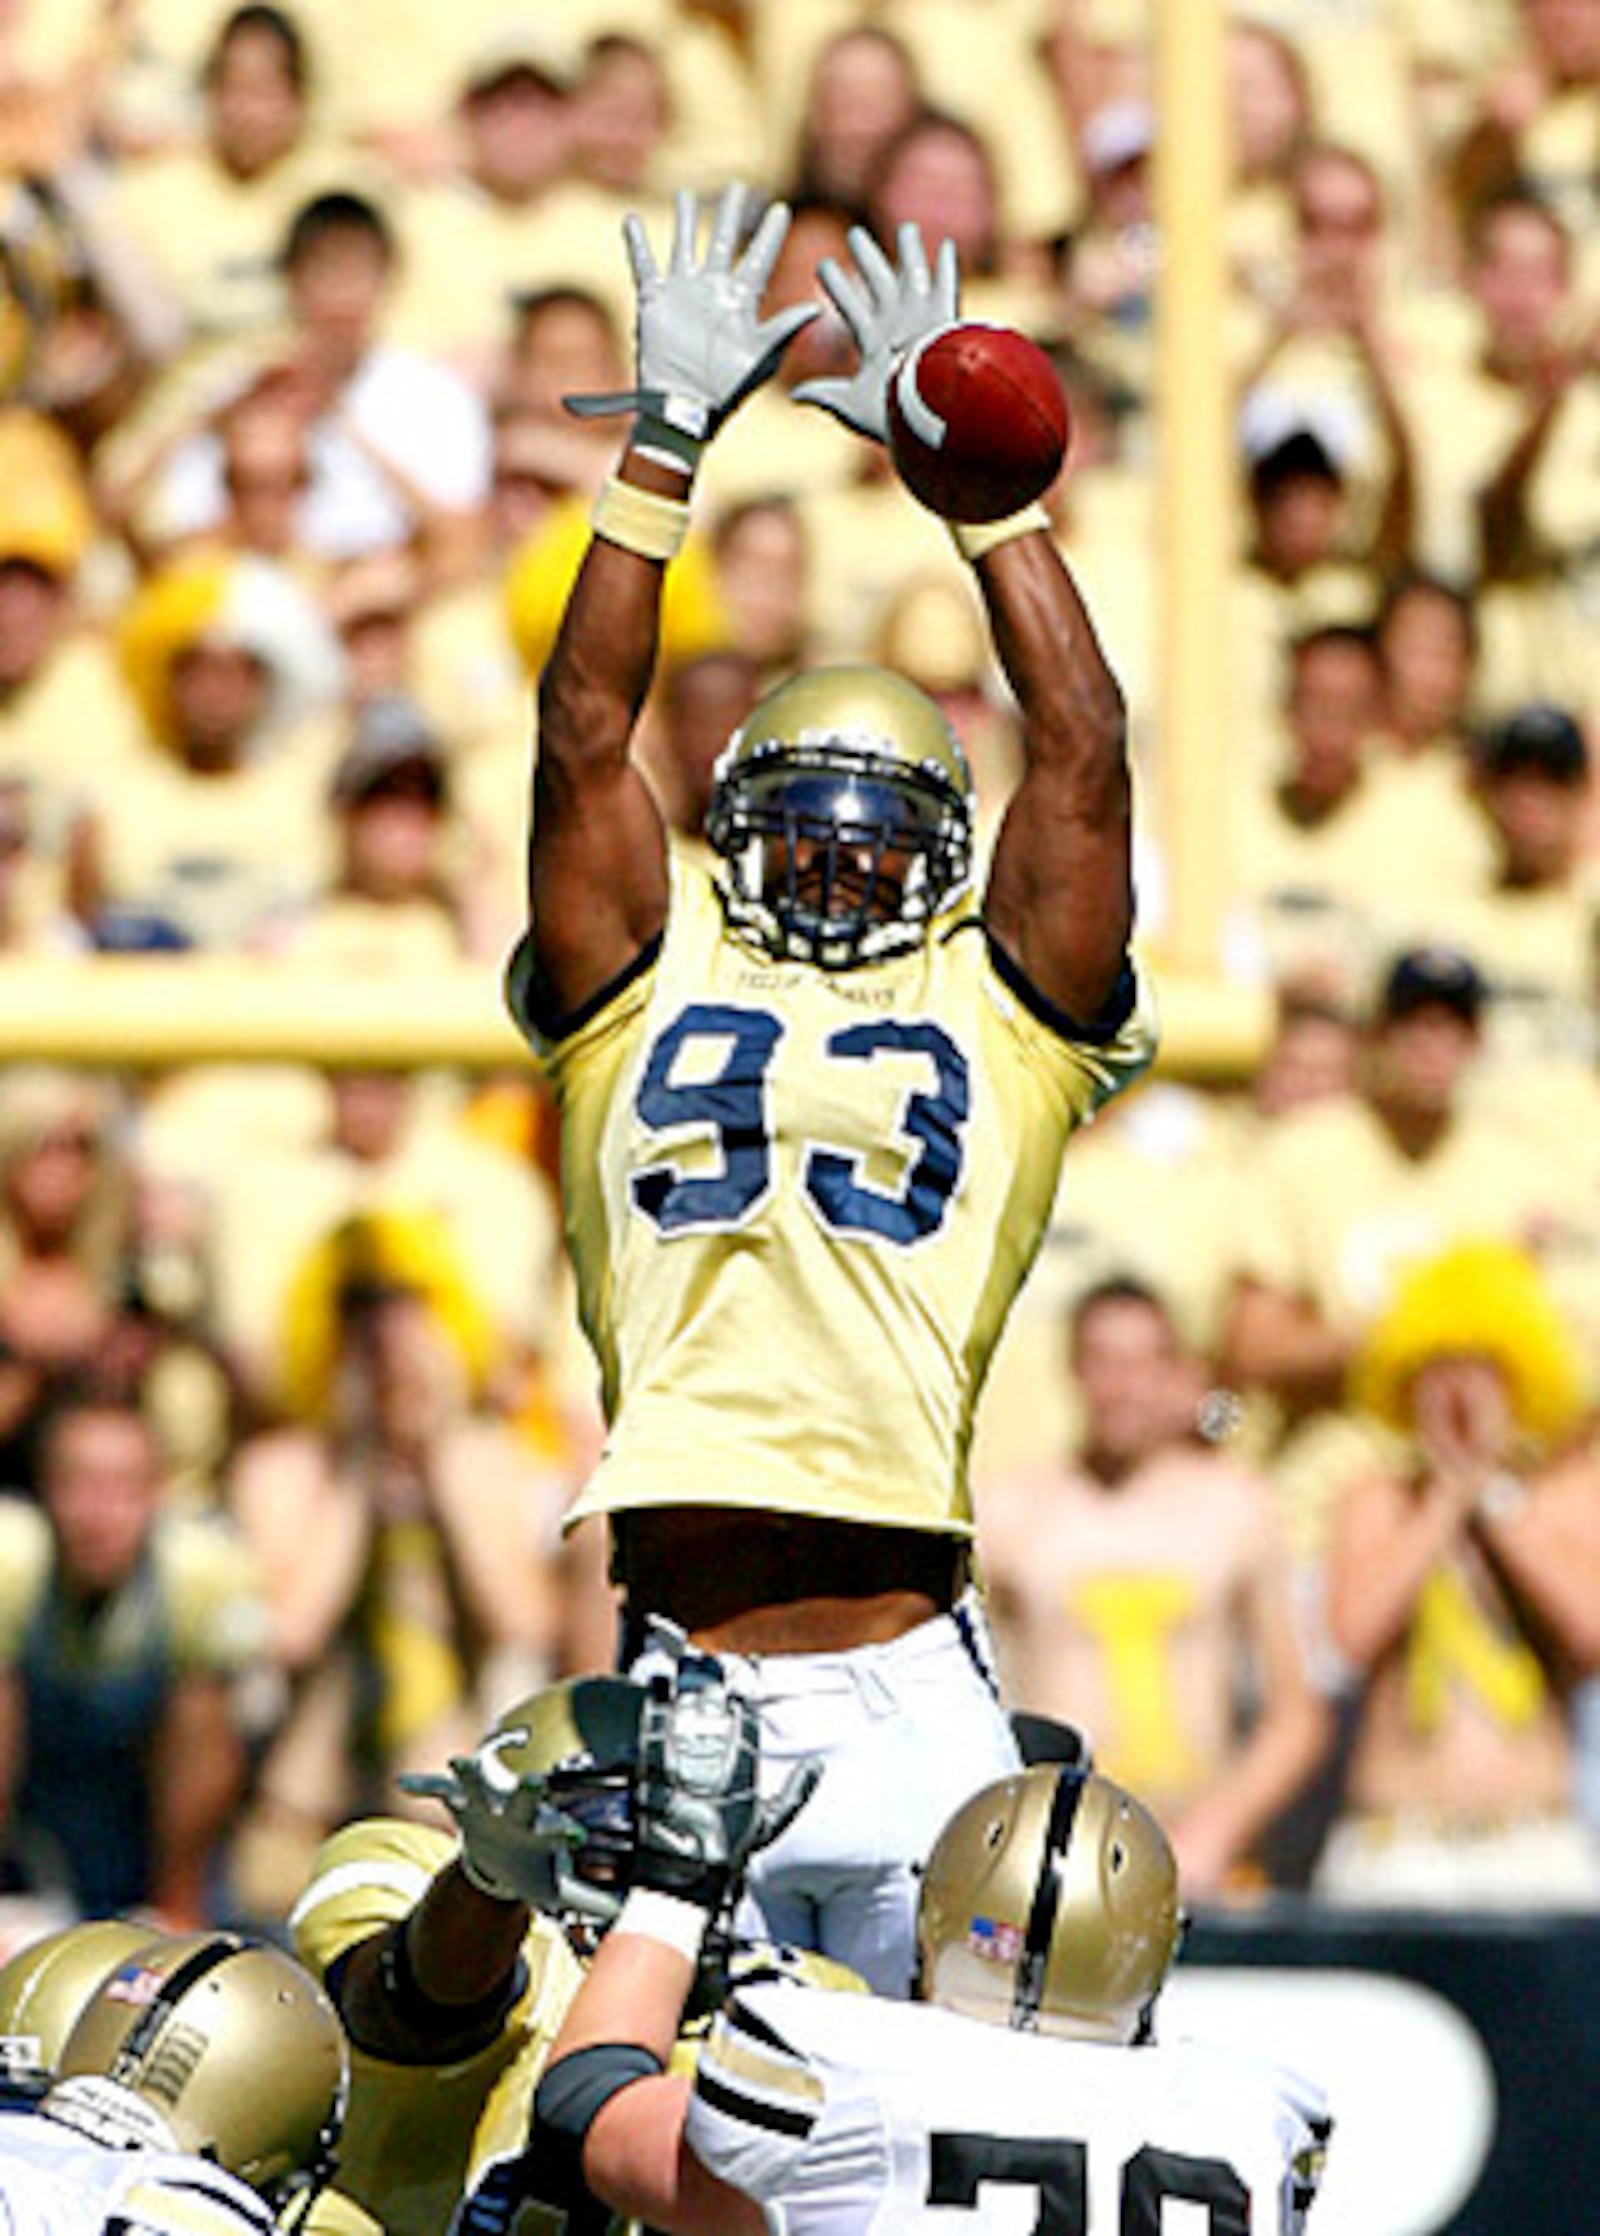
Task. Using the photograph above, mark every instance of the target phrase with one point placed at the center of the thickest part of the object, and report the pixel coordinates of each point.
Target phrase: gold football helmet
(44, 1987)
(216, 2044)
(1050, 1902)
(581, 1739)
(842, 809)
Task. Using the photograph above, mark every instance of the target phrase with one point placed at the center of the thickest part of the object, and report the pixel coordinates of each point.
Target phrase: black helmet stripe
(1035, 1958)
(173, 1989)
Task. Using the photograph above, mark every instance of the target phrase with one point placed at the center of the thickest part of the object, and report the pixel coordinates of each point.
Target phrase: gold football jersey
(800, 1203)
(416, 2136)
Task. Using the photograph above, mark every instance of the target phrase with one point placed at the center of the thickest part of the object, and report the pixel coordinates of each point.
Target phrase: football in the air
(978, 422)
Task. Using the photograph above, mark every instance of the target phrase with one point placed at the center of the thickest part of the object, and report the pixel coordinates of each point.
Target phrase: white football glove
(887, 308)
(701, 344)
(507, 1827)
(698, 1812)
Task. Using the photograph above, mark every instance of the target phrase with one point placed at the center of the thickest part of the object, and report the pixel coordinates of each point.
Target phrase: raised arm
(606, 2107)
(1060, 898)
(598, 877)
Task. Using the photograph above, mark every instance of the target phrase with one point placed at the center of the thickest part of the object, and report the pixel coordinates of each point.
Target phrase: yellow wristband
(975, 537)
(639, 520)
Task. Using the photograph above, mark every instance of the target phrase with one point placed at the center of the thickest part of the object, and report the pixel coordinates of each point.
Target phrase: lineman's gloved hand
(701, 344)
(887, 307)
(508, 1828)
(698, 1812)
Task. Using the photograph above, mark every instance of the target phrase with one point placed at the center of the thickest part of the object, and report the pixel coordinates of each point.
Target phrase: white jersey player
(54, 2182)
(876, 2115)
(1021, 2091)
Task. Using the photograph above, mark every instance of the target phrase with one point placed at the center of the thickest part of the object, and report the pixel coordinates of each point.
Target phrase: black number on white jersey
(1058, 2169)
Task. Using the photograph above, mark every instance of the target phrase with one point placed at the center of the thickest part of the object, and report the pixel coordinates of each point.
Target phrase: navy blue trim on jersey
(1099, 1031)
(553, 1027)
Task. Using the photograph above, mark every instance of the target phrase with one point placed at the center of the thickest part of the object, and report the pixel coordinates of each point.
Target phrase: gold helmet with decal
(44, 1986)
(216, 2044)
(842, 810)
(1050, 1902)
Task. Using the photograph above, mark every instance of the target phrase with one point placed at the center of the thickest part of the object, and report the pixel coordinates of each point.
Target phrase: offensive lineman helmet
(215, 2044)
(44, 1987)
(580, 1739)
(842, 808)
(1050, 1903)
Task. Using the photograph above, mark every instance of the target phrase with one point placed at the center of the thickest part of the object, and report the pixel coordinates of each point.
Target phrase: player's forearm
(463, 1944)
(419, 1988)
(1072, 705)
(1060, 894)
(634, 2154)
(600, 669)
(635, 1991)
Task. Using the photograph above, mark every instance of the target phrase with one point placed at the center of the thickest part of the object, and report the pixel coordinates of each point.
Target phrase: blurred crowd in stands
(1289, 1472)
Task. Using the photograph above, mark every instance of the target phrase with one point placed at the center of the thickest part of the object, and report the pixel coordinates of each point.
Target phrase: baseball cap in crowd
(1118, 133)
(1539, 736)
(1432, 977)
(1282, 430)
(390, 744)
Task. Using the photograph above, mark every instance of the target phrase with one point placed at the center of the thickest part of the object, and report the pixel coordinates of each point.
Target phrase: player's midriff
(753, 1583)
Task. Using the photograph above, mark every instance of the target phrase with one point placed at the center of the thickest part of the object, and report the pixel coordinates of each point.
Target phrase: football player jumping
(813, 1108)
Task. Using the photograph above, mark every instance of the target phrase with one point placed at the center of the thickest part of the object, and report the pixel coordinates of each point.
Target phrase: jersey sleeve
(215, 1600)
(1308, 2125)
(559, 1043)
(364, 1877)
(757, 2099)
(24, 1565)
(155, 2207)
(1087, 1070)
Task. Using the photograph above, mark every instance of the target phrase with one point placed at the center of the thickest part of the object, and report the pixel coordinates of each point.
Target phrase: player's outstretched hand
(887, 307)
(699, 1814)
(508, 1828)
(701, 344)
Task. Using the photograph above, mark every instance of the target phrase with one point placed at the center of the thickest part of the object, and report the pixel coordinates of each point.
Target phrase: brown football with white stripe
(978, 422)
